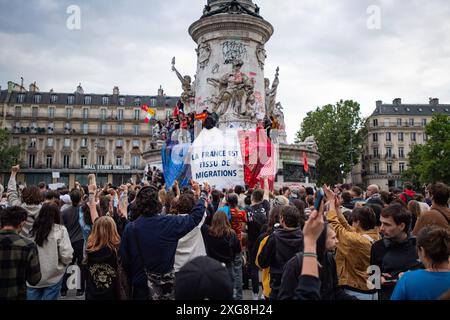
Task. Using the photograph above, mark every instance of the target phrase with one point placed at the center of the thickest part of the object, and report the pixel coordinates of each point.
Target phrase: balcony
(383, 173)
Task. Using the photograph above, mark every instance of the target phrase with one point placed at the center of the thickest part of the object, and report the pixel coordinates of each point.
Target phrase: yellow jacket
(353, 252)
(265, 272)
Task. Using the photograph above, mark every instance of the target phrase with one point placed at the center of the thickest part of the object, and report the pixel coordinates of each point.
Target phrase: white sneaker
(255, 296)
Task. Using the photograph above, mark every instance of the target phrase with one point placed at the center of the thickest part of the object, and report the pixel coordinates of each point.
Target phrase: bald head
(372, 189)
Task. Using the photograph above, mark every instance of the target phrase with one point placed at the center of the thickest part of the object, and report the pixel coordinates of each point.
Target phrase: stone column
(228, 31)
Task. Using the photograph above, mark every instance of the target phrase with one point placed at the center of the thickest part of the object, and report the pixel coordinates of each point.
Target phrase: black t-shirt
(71, 220)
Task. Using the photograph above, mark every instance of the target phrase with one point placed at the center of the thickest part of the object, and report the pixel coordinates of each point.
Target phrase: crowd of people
(146, 241)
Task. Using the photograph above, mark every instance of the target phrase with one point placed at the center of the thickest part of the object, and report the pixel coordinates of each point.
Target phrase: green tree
(8, 153)
(431, 162)
(338, 133)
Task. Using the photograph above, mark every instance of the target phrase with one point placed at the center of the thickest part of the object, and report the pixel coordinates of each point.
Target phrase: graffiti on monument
(233, 50)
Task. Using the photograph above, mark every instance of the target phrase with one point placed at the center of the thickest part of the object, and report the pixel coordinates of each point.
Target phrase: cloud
(323, 47)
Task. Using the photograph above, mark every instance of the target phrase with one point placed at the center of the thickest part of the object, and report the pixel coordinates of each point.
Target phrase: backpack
(256, 218)
(408, 198)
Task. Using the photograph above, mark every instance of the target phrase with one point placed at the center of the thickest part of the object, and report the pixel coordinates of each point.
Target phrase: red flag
(176, 111)
(305, 162)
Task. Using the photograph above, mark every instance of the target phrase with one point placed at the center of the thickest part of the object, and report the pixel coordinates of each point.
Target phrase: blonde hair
(104, 234)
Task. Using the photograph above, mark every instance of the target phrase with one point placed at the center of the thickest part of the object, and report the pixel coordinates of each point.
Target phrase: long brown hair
(414, 208)
(220, 225)
(104, 234)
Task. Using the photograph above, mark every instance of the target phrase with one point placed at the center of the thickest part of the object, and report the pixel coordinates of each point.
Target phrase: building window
(388, 136)
(54, 98)
(375, 137)
(120, 114)
(66, 161)
(33, 127)
(33, 143)
(85, 128)
(101, 143)
(85, 113)
(389, 152)
(387, 122)
(21, 98)
(49, 161)
(375, 122)
(121, 101)
(103, 128)
(411, 122)
(137, 101)
(136, 143)
(84, 142)
(424, 122)
(18, 112)
(105, 101)
(31, 160)
(413, 136)
(425, 137)
(16, 127)
(68, 127)
(137, 114)
(87, 100)
(70, 100)
(400, 136)
(153, 103)
(67, 143)
(376, 168)
(83, 161)
(37, 98)
(101, 160)
(69, 112)
(401, 167)
(375, 152)
(50, 142)
(389, 168)
(51, 127)
(136, 129)
(103, 114)
(119, 161)
(120, 129)
(34, 112)
(135, 160)
(399, 122)
(119, 143)
(401, 152)
(51, 112)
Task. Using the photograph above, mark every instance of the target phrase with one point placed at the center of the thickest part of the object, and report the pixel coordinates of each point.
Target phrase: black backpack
(256, 218)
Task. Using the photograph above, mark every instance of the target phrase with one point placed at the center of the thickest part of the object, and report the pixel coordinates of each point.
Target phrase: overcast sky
(324, 49)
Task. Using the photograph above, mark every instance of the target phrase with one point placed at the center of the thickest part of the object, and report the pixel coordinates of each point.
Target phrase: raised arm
(123, 202)
(13, 195)
(92, 187)
(266, 189)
